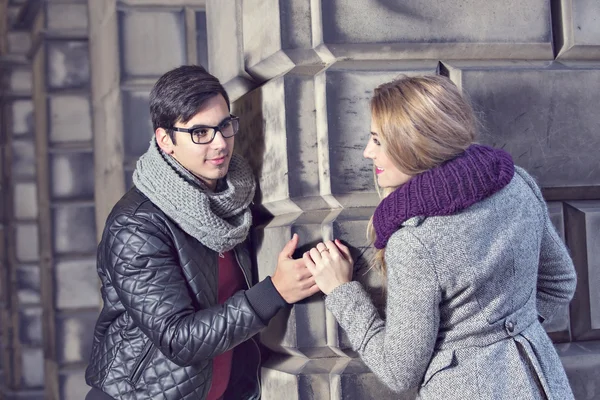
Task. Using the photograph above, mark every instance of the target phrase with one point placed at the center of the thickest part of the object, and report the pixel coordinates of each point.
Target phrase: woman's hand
(330, 264)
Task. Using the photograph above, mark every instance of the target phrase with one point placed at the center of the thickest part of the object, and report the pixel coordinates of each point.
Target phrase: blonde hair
(422, 122)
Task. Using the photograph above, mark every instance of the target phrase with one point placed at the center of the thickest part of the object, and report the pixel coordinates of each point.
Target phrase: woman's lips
(378, 170)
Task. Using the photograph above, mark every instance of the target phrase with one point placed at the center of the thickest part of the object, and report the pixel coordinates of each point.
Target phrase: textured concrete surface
(543, 117)
(583, 239)
(580, 30)
(301, 75)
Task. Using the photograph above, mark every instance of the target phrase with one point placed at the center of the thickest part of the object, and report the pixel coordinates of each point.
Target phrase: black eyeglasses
(204, 134)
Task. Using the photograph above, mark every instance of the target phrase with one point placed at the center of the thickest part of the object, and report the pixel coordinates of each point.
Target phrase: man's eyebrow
(210, 126)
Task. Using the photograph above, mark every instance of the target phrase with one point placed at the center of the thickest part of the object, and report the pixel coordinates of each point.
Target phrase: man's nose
(219, 141)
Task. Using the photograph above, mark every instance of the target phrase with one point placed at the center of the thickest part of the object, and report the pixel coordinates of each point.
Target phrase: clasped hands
(323, 268)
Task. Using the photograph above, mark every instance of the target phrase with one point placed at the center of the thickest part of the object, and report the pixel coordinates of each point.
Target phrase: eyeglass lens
(206, 135)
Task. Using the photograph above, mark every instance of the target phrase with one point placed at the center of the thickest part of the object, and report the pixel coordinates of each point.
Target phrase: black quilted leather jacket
(161, 324)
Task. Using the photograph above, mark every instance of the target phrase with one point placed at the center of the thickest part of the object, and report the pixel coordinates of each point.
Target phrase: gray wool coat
(466, 294)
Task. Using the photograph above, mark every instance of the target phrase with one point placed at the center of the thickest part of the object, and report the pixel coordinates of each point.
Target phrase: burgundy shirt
(231, 280)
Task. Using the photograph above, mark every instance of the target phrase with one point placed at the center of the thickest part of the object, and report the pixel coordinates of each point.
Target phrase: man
(179, 310)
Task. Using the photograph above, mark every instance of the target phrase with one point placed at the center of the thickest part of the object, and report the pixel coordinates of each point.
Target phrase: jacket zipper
(140, 365)
(237, 258)
(235, 252)
(258, 369)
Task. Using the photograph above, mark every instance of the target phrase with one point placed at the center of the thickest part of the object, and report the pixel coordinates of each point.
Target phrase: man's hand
(291, 278)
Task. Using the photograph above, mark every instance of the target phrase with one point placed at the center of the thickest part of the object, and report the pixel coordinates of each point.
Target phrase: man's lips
(217, 161)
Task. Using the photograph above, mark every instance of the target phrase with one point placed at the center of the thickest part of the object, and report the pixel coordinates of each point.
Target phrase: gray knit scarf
(219, 220)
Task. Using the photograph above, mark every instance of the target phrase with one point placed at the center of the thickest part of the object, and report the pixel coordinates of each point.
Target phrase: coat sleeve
(397, 350)
(556, 273)
(144, 269)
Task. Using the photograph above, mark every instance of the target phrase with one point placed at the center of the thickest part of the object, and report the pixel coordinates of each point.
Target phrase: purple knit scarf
(451, 187)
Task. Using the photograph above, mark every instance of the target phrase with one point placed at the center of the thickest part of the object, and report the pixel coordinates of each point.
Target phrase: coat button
(510, 326)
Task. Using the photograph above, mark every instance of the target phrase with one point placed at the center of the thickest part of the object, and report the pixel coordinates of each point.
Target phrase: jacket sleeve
(556, 273)
(146, 273)
(398, 349)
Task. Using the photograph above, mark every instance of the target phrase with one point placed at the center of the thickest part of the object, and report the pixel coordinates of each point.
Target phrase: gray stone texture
(348, 89)
(25, 201)
(28, 285)
(66, 16)
(22, 116)
(583, 239)
(300, 75)
(580, 30)
(73, 333)
(68, 64)
(558, 326)
(582, 364)
(69, 118)
(225, 45)
(136, 123)
(74, 229)
(151, 52)
(72, 175)
(543, 117)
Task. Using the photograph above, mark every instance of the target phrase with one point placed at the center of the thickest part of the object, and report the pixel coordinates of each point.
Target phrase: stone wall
(531, 70)
(75, 78)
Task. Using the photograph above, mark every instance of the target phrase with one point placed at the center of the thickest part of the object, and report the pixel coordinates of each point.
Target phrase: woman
(471, 260)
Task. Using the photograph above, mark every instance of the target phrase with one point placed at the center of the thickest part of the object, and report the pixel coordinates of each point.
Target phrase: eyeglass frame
(214, 128)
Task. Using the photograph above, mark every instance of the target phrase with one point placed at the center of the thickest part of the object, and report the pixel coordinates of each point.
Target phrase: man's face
(210, 161)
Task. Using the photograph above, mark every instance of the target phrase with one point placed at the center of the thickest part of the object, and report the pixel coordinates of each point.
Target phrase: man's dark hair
(180, 93)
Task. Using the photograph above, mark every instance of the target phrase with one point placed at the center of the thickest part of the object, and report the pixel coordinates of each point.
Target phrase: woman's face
(388, 176)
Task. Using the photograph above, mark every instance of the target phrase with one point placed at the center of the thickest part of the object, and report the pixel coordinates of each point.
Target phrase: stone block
(68, 64)
(32, 363)
(74, 332)
(309, 329)
(72, 385)
(558, 326)
(28, 284)
(77, 284)
(225, 45)
(137, 126)
(19, 42)
(296, 378)
(25, 200)
(580, 30)
(583, 240)
(74, 229)
(202, 38)
(72, 175)
(384, 29)
(324, 378)
(151, 52)
(544, 116)
(70, 118)
(348, 88)
(27, 248)
(277, 37)
(352, 380)
(20, 81)
(300, 331)
(30, 326)
(66, 16)
(581, 361)
(23, 159)
(22, 117)
(279, 138)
